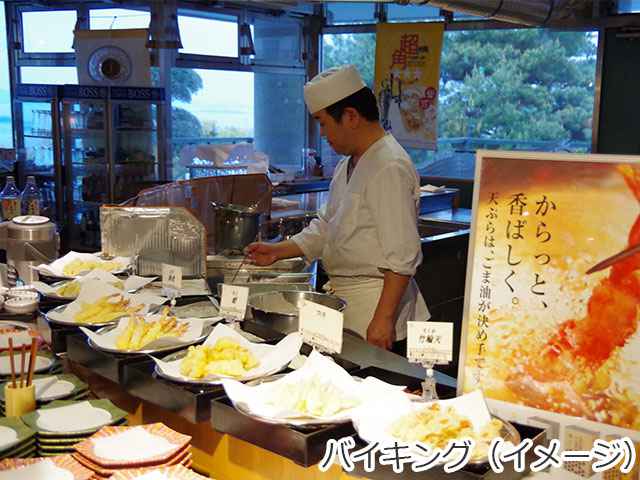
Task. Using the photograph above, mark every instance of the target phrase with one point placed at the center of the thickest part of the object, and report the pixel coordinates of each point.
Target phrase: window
(358, 49)
(277, 41)
(209, 36)
(412, 13)
(209, 107)
(526, 89)
(6, 129)
(280, 129)
(50, 31)
(520, 89)
(628, 6)
(49, 75)
(118, 18)
(350, 13)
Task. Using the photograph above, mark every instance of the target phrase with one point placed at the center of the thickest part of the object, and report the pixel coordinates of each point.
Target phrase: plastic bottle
(31, 197)
(10, 199)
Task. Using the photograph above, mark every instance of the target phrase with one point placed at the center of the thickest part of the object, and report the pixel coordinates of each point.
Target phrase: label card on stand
(171, 276)
(430, 342)
(233, 303)
(321, 327)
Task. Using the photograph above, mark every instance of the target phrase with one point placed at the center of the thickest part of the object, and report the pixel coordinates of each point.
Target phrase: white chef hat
(331, 86)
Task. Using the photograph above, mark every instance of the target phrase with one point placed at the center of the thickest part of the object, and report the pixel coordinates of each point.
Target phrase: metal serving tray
(192, 402)
(107, 365)
(303, 445)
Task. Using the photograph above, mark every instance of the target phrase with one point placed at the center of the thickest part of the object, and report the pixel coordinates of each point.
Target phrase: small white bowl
(20, 306)
(1, 301)
(24, 293)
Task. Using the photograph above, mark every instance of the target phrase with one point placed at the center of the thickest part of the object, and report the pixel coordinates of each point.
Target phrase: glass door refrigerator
(88, 146)
(85, 120)
(137, 159)
(38, 144)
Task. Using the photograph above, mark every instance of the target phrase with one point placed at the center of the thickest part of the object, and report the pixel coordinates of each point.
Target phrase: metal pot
(280, 309)
(236, 226)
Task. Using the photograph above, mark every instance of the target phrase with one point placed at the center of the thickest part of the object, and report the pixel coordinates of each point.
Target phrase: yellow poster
(552, 315)
(407, 79)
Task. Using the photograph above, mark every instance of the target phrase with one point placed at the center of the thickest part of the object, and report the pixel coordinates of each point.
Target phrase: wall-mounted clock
(109, 65)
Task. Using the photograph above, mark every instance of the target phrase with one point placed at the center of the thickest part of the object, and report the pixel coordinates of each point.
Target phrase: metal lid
(30, 220)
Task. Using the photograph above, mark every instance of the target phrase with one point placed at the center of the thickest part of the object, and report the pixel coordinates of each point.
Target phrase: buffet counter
(134, 387)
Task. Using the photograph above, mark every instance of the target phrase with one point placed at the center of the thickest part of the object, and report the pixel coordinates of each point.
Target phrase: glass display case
(88, 146)
(137, 161)
(38, 144)
(110, 152)
(85, 150)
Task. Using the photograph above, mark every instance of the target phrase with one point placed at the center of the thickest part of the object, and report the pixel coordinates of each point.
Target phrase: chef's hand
(261, 254)
(381, 332)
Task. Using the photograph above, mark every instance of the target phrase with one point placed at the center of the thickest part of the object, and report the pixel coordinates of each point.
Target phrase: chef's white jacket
(369, 225)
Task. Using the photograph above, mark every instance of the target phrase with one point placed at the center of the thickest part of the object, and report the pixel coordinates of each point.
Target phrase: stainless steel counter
(364, 354)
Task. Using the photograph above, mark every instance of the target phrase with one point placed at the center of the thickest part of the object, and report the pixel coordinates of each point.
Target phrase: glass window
(209, 36)
(49, 75)
(277, 42)
(48, 31)
(628, 6)
(6, 132)
(118, 18)
(358, 49)
(279, 96)
(524, 89)
(350, 13)
(209, 107)
(412, 13)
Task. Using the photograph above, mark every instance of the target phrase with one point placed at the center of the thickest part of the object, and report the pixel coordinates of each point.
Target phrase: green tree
(185, 83)
(520, 84)
(525, 84)
(358, 49)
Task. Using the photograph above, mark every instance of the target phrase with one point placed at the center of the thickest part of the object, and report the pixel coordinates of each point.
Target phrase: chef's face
(338, 134)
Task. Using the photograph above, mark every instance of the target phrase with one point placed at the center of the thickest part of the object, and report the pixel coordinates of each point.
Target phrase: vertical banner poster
(407, 80)
(552, 306)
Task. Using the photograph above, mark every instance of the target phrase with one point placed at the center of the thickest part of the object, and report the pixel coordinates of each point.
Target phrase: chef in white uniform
(367, 235)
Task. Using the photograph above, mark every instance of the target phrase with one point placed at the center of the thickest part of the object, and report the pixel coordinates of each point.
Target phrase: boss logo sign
(90, 92)
(35, 91)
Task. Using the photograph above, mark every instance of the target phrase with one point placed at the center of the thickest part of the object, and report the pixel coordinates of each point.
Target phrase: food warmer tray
(107, 365)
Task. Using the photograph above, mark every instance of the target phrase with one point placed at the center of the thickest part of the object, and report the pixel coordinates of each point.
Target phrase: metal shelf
(40, 173)
(136, 129)
(42, 137)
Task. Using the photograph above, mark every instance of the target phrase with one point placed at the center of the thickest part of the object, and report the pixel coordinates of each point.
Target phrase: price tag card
(430, 341)
(171, 276)
(233, 303)
(321, 327)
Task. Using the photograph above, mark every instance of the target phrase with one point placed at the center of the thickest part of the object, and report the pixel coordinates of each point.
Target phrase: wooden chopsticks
(26, 376)
(12, 366)
(32, 361)
(23, 352)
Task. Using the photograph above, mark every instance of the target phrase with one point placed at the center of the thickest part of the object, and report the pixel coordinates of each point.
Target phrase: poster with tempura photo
(551, 324)
(407, 77)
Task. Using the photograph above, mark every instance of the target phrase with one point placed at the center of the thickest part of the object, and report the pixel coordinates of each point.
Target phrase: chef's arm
(267, 253)
(381, 331)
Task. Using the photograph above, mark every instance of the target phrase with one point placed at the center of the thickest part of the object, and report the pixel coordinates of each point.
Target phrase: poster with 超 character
(407, 76)
(552, 307)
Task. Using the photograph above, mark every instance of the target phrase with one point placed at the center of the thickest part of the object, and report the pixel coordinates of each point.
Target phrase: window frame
(102, 6)
(28, 59)
(480, 24)
(194, 60)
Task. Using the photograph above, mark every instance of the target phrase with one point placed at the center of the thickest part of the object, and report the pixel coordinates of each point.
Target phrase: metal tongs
(612, 260)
